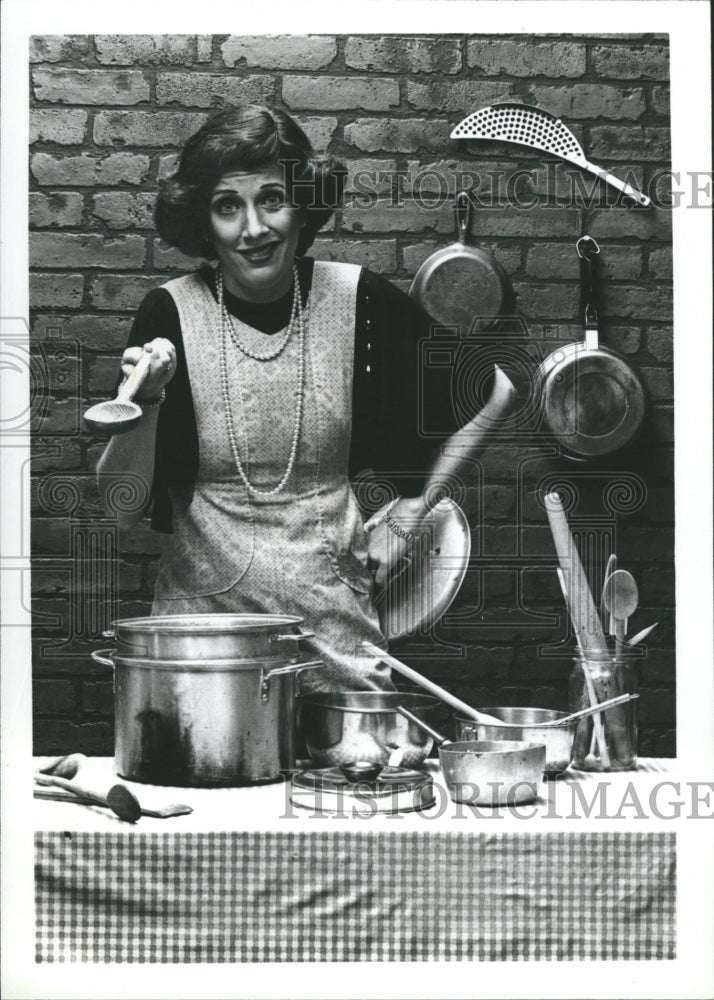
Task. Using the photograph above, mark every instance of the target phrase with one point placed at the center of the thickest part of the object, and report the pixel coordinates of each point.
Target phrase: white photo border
(690, 975)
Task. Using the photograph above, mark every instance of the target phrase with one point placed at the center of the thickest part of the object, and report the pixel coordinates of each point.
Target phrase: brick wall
(108, 116)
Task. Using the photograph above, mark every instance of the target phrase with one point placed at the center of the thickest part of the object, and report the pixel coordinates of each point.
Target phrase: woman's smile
(260, 255)
(255, 232)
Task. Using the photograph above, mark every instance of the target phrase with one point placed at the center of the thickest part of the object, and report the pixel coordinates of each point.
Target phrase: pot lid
(207, 623)
(327, 790)
(419, 592)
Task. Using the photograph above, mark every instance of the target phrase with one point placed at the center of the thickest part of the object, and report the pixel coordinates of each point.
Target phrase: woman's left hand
(391, 536)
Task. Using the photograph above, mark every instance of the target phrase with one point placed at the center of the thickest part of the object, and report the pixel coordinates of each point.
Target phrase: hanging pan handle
(588, 251)
(462, 211)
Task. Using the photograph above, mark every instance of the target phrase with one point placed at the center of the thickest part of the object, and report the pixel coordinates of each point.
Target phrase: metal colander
(525, 125)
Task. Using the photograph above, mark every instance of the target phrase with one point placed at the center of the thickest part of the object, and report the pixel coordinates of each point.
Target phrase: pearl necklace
(296, 318)
(227, 320)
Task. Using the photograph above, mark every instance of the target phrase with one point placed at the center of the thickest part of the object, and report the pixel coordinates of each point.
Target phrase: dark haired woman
(275, 380)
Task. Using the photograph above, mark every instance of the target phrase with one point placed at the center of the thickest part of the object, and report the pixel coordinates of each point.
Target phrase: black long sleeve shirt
(397, 420)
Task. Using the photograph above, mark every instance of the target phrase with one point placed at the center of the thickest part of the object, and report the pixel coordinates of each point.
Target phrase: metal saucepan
(558, 740)
(492, 773)
(463, 285)
(346, 727)
(592, 401)
(493, 770)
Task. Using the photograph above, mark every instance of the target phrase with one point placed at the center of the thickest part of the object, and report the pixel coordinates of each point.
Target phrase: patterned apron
(302, 551)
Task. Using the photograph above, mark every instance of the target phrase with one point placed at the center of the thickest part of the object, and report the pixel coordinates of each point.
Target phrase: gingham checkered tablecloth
(351, 893)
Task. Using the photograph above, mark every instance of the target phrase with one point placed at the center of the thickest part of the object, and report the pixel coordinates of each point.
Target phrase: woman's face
(255, 232)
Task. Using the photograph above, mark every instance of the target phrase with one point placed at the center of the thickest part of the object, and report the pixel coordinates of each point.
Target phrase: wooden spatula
(609, 570)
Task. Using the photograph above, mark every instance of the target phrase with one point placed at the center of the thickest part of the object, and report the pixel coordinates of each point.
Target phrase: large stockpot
(348, 726)
(205, 720)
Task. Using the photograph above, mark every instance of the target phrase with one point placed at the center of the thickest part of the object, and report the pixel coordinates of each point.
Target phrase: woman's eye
(225, 207)
(274, 200)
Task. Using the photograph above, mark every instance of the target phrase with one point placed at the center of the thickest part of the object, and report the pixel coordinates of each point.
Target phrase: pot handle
(588, 251)
(291, 668)
(295, 636)
(101, 656)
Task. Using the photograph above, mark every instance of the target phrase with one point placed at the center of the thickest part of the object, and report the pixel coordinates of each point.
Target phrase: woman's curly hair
(249, 137)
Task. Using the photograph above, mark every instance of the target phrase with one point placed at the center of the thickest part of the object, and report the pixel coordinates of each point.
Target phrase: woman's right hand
(162, 367)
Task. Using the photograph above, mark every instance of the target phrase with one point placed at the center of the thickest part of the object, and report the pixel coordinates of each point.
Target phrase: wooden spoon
(439, 692)
(119, 799)
(114, 416)
(621, 598)
(641, 635)
(609, 570)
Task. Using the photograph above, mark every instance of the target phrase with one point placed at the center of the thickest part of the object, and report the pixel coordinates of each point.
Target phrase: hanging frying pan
(462, 285)
(592, 401)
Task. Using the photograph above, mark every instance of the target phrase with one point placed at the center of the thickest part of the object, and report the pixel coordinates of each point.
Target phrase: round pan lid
(205, 624)
(419, 592)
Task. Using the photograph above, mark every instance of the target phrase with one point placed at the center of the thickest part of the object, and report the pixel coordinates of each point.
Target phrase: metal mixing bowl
(558, 740)
(349, 726)
(492, 772)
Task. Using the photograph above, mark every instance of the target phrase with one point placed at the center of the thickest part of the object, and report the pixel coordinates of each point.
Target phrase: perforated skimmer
(525, 125)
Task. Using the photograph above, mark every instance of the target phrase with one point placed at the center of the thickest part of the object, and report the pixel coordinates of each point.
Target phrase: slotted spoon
(117, 415)
(525, 125)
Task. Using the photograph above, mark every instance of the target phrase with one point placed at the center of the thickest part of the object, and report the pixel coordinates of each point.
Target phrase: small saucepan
(558, 740)
(489, 772)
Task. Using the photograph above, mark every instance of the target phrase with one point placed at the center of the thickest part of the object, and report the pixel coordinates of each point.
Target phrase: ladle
(621, 598)
(438, 739)
(114, 416)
